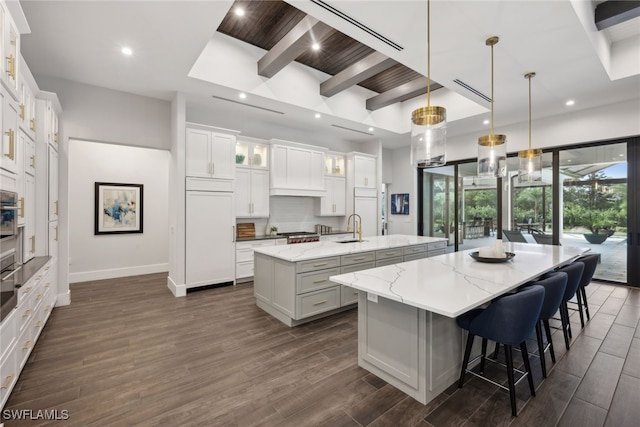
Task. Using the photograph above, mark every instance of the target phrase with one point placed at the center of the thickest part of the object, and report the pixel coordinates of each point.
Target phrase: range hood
(298, 192)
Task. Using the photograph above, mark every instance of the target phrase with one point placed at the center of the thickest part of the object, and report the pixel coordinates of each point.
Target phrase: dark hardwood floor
(126, 352)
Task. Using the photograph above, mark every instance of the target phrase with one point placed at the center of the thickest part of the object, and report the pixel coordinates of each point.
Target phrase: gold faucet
(357, 226)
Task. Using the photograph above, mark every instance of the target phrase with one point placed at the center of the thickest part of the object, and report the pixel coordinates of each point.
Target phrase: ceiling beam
(614, 12)
(401, 93)
(294, 43)
(356, 73)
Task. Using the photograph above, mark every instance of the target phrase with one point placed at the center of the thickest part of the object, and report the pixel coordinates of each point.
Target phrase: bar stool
(555, 285)
(508, 320)
(590, 264)
(574, 273)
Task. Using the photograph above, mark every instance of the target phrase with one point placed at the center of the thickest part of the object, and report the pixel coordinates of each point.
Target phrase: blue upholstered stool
(590, 263)
(508, 320)
(555, 285)
(574, 273)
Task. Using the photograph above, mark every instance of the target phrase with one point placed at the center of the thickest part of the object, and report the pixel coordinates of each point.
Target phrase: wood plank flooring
(126, 352)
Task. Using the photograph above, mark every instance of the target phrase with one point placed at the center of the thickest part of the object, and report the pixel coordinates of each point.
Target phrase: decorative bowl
(477, 257)
(239, 159)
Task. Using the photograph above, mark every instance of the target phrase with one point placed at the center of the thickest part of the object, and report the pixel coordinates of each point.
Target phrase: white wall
(403, 181)
(94, 257)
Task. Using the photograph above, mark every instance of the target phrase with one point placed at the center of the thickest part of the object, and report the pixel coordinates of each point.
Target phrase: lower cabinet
(298, 292)
(20, 330)
(244, 256)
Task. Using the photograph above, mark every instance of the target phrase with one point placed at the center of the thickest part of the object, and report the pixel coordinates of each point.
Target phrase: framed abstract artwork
(118, 208)
(400, 204)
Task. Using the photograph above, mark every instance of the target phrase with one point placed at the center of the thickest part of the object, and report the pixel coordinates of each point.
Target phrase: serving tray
(477, 257)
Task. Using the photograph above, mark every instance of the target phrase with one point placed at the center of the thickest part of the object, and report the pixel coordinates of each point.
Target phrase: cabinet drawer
(317, 264)
(8, 333)
(244, 269)
(24, 345)
(409, 250)
(209, 184)
(8, 375)
(315, 280)
(413, 257)
(437, 245)
(249, 244)
(348, 295)
(357, 258)
(313, 303)
(357, 267)
(389, 261)
(436, 252)
(388, 253)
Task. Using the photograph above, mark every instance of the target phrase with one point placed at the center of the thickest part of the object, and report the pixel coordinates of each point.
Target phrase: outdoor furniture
(543, 239)
(514, 236)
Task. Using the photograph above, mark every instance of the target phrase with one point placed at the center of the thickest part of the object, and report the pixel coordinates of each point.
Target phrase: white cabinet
(252, 154)
(54, 204)
(365, 171)
(28, 211)
(9, 160)
(296, 170)
(334, 164)
(252, 193)
(334, 203)
(210, 248)
(244, 255)
(367, 208)
(27, 98)
(209, 154)
(53, 238)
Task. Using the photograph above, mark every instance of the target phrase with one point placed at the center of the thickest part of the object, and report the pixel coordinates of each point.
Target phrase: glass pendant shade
(530, 165)
(428, 137)
(492, 155)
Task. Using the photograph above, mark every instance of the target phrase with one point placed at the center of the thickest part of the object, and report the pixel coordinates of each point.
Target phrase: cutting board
(247, 230)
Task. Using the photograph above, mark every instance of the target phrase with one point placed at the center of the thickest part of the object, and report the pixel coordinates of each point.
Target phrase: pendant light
(428, 124)
(492, 148)
(530, 160)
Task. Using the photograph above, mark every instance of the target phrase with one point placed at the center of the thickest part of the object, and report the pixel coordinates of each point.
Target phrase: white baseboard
(176, 290)
(63, 299)
(86, 276)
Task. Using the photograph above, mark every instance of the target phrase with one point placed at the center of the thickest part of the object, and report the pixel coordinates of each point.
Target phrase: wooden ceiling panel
(266, 22)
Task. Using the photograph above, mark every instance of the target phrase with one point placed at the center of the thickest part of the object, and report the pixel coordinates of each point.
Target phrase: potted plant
(274, 230)
(601, 224)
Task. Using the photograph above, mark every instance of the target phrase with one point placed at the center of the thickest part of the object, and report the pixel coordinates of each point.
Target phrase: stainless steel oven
(8, 214)
(300, 237)
(8, 292)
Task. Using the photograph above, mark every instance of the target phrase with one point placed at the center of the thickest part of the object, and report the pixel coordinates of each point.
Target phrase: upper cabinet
(252, 154)
(46, 125)
(210, 153)
(27, 98)
(9, 159)
(334, 164)
(365, 167)
(296, 169)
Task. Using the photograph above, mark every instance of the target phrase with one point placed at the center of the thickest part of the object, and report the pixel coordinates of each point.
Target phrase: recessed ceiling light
(568, 160)
(620, 155)
(486, 122)
(318, 115)
(570, 102)
(126, 51)
(370, 129)
(239, 11)
(315, 46)
(242, 95)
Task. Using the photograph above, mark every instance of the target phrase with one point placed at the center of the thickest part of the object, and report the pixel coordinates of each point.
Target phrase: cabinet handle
(359, 258)
(55, 137)
(33, 124)
(33, 244)
(355, 292)
(320, 264)
(12, 154)
(26, 291)
(320, 281)
(56, 228)
(11, 66)
(21, 207)
(8, 381)
(320, 302)
(213, 168)
(33, 161)
(22, 111)
(27, 313)
(233, 233)
(56, 207)
(27, 345)
(38, 325)
(390, 253)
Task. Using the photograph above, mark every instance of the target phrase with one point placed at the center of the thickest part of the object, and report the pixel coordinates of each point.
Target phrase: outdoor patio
(613, 265)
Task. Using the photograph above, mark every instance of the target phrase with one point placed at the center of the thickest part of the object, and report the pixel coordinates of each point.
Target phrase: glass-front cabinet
(334, 164)
(252, 154)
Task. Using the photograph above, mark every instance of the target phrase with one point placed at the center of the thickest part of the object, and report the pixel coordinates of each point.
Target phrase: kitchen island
(291, 282)
(407, 334)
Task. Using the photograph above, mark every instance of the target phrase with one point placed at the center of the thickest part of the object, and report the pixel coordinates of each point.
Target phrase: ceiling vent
(247, 105)
(352, 130)
(358, 24)
(472, 90)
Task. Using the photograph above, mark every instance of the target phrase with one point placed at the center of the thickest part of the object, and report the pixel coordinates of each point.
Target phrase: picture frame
(118, 208)
(400, 204)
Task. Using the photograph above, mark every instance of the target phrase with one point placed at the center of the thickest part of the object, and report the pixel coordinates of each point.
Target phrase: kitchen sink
(349, 241)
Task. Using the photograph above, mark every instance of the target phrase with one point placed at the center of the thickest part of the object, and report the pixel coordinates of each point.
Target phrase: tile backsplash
(290, 213)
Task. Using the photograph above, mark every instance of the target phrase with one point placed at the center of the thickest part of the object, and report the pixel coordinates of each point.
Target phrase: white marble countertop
(455, 283)
(313, 250)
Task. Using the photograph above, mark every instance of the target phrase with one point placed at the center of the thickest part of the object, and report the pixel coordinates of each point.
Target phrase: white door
(210, 247)
(198, 154)
(367, 208)
(243, 192)
(223, 154)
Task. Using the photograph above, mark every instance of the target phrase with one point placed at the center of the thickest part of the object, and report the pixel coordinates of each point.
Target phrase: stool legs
(564, 318)
(547, 331)
(465, 361)
(584, 301)
(543, 362)
(527, 366)
(484, 354)
(512, 388)
(579, 298)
